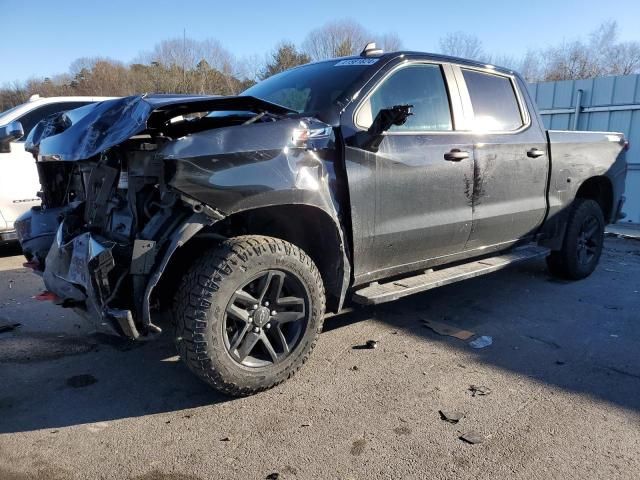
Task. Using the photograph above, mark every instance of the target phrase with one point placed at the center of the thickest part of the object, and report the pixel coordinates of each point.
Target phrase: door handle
(535, 153)
(456, 155)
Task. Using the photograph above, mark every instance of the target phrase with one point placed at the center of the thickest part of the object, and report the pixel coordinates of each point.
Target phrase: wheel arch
(600, 189)
(308, 227)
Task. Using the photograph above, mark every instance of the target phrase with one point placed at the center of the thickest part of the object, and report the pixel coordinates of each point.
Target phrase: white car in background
(19, 182)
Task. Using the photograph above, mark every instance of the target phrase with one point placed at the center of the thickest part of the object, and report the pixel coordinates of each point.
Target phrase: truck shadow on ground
(106, 379)
(10, 249)
(578, 336)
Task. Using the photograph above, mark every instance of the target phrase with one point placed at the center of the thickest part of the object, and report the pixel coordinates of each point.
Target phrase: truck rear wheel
(249, 313)
(583, 242)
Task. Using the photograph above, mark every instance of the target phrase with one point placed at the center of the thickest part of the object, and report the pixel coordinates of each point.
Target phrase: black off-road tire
(201, 303)
(566, 263)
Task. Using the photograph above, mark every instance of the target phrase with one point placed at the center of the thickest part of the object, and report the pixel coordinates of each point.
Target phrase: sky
(41, 38)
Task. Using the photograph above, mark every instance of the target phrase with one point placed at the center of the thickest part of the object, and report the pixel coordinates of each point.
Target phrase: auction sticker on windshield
(356, 61)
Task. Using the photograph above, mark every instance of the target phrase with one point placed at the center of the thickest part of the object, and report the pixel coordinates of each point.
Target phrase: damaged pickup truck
(351, 181)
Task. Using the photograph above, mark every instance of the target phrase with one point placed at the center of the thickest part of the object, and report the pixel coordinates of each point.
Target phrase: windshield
(311, 88)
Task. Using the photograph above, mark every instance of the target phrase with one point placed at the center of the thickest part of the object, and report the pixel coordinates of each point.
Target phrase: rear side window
(31, 118)
(494, 102)
(419, 85)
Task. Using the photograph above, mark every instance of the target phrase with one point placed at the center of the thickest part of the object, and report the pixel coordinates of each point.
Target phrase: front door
(409, 198)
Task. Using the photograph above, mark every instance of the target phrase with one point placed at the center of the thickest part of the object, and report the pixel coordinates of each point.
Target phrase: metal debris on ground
(369, 345)
(472, 437)
(481, 342)
(448, 330)
(451, 417)
(80, 381)
(479, 390)
(9, 327)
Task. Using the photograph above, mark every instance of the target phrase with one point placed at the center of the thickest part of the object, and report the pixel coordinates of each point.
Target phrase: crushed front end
(124, 185)
(101, 226)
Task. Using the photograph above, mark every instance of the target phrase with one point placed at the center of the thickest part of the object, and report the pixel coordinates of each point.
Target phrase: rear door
(408, 201)
(510, 154)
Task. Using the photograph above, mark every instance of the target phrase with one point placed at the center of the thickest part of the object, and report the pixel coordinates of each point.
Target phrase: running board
(376, 293)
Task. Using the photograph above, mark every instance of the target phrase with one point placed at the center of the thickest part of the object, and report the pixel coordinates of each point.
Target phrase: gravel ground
(562, 377)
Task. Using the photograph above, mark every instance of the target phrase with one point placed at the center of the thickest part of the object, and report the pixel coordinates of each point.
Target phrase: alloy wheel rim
(266, 318)
(589, 240)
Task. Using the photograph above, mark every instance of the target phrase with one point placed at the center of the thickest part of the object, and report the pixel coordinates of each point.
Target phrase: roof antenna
(370, 50)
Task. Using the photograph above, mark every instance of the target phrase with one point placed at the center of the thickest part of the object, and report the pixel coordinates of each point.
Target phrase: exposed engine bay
(114, 213)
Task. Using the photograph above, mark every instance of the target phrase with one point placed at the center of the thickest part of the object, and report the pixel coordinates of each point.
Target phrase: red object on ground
(46, 296)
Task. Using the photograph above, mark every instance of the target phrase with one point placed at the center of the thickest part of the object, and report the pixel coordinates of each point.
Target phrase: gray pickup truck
(357, 180)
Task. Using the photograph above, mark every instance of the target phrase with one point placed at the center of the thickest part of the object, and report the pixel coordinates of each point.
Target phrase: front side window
(495, 106)
(419, 85)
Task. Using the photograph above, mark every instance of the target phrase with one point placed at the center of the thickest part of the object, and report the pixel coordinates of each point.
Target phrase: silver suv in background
(19, 182)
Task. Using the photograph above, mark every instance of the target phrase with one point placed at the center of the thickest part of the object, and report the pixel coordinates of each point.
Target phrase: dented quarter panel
(578, 156)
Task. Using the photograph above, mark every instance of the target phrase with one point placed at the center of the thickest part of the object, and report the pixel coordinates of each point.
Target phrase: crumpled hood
(88, 131)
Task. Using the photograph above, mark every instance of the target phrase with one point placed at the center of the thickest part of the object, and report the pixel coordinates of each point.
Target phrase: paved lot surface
(563, 370)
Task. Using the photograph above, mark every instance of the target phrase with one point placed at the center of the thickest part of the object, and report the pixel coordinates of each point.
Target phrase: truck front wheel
(583, 242)
(248, 314)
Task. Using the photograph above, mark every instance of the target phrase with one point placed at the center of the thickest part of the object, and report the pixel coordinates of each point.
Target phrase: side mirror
(9, 133)
(385, 119)
(388, 117)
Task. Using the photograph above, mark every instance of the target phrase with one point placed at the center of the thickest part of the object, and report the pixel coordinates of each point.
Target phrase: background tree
(343, 38)
(185, 65)
(284, 56)
(461, 44)
(335, 39)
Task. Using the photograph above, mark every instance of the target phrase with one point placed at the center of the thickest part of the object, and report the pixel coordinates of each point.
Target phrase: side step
(376, 293)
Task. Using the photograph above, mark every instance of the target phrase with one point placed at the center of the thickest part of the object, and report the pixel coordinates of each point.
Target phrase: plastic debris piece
(46, 296)
(372, 344)
(273, 476)
(479, 390)
(451, 416)
(225, 439)
(481, 342)
(448, 330)
(472, 437)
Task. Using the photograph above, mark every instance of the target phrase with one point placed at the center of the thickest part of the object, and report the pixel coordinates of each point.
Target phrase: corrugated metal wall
(605, 104)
